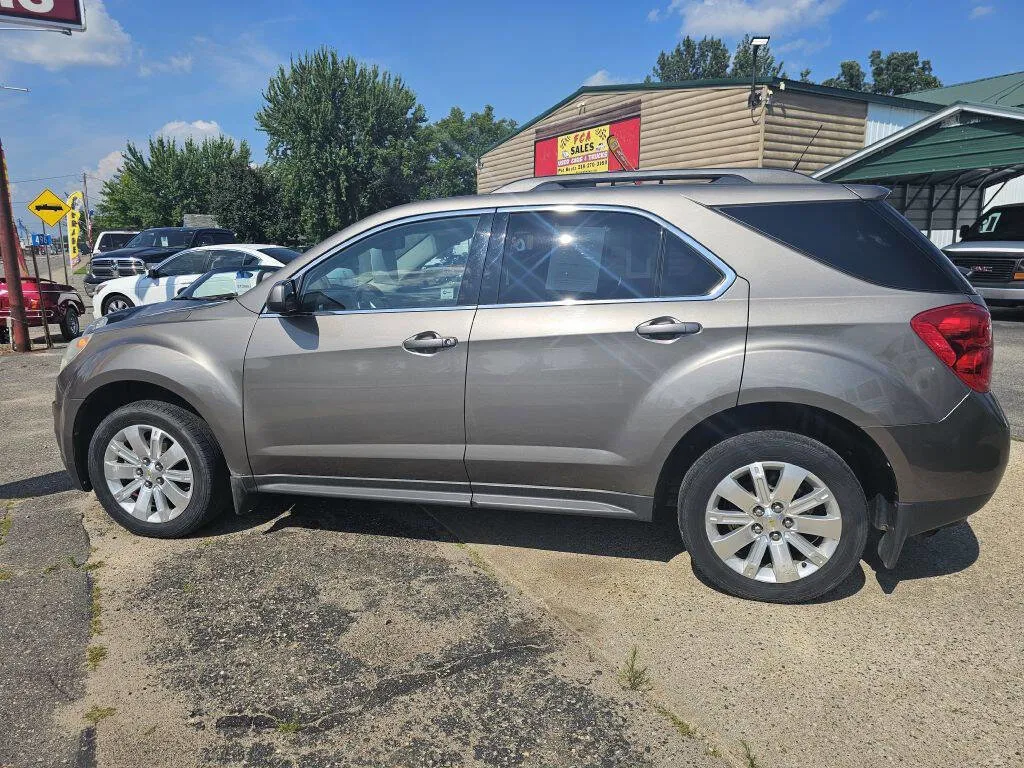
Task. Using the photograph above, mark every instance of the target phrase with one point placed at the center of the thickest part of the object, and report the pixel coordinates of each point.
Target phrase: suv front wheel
(157, 469)
(773, 516)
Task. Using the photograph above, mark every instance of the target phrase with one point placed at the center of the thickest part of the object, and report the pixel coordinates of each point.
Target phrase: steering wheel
(369, 296)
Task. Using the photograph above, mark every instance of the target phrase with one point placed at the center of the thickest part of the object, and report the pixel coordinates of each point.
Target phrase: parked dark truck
(783, 363)
(991, 251)
(149, 248)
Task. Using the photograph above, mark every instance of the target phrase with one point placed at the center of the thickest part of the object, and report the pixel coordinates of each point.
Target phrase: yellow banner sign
(75, 201)
(584, 151)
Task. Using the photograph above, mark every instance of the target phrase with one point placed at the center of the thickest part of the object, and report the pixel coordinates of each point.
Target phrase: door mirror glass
(283, 299)
(964, 229)
(153, 273)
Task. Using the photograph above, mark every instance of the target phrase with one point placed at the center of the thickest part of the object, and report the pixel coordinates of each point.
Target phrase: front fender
(199, 362)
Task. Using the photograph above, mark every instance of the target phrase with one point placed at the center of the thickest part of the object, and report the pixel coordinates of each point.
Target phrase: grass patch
(289, 726)
(82, 270)
(5, 527)
(51, 568)
(632, 676)
(95, 612)
(96, 714)
(94, 565)
(686, 730)
(94, 655)
(6, 575)
(749, 756)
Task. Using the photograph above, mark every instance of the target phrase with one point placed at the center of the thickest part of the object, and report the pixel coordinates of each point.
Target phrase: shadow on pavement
(41, 485)
(949, 551)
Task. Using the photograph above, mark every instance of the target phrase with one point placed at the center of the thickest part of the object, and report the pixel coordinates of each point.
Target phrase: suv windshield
(161, 238)
(1005, 223)
(226, 283)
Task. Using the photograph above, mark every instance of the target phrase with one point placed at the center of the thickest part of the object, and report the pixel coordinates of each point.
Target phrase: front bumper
(944, 472)
(64, 411)
(1001, 291)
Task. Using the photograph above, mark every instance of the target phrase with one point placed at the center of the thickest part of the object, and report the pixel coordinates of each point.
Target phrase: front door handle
(429, 343)
(666, 329)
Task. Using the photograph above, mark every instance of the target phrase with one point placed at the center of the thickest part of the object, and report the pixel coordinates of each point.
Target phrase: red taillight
(960, 335)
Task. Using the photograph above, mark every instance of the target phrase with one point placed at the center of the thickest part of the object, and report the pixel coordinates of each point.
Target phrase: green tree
(453, 145)
(851, 76)
(805, 76)
(901, 72)
(743, 61)
(157, 186)
(247, 200)
(342, 138)
(703, 59)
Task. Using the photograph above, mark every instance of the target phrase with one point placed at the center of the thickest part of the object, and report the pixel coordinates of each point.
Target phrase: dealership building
(947, 153)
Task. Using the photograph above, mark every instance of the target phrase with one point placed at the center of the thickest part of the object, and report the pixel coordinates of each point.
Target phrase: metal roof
(772, 82)
(966, 144)
(1001, 90)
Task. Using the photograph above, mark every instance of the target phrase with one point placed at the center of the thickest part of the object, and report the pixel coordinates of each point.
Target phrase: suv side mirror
(152, 273)
(283, 298)
(964, 229)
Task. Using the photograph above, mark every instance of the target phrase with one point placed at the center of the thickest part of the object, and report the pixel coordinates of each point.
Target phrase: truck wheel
(773, 516)
(115, 302)
(70, 327)
(157, 469)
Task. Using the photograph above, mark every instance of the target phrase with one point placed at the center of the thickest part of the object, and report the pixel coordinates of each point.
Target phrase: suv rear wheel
(773, 516)
(70, 327)
(157, 469)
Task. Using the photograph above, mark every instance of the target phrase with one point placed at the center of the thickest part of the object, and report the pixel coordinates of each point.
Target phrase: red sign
(59, 14)
(610, 146)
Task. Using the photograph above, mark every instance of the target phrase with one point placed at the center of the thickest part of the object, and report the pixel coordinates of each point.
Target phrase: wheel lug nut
(138, 472)
(159, 481)
(757, 528)
(149, 484)
(777, 506)
(788, 522)
(758, 511)
(775, 535)
(158, 467)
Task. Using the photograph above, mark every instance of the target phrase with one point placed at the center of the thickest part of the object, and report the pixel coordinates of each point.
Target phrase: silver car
(781, 364)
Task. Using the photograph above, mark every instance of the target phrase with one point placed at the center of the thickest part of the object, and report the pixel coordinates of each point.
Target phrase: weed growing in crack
(749, 756)
(685, 729)
(95, 611)
(634, 677)
(289, 726)
(96, 714)
(94, 654)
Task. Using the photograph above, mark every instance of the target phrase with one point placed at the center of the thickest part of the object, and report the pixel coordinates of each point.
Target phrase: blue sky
(199, 68)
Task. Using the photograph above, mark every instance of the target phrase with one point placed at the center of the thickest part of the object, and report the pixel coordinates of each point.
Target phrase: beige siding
(792, 121)
(684, 128)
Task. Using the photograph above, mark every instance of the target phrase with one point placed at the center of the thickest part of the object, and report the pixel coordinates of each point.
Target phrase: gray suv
(784, 364)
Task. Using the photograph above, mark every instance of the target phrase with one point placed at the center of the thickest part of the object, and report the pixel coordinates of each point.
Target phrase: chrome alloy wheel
(116, 305)
(148, 473)
(773, 522)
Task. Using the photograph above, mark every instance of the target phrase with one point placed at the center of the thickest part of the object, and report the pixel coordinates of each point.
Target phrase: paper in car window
(575, 264)
(991, 222)
(244, 281)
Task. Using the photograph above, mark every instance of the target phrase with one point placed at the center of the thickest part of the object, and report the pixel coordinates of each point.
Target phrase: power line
(45, 178)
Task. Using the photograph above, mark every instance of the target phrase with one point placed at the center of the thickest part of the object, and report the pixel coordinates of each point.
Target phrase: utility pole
(12, 272)
(88, 215)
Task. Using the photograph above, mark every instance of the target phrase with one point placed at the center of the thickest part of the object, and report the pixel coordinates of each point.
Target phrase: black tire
(699, 485)
(5, 333)
(209, 493)
(70, 327)
(112, 297)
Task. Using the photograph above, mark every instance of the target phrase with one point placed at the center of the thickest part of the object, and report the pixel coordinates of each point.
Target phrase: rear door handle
(429, 343)
(667, 329)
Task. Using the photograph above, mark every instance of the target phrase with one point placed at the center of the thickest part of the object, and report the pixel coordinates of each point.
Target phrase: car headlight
(95, 325)
(74, 348)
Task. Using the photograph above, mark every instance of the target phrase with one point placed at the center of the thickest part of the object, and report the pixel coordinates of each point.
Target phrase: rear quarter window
(868, 240)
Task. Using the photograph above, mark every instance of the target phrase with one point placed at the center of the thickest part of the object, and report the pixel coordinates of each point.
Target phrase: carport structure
(939, 168)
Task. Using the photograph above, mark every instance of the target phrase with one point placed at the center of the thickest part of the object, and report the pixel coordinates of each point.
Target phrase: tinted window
(219, 238)
(685, 272)
(186, 263)
(868, 240)
(552, 256)
(999, 224)
(284, 255)
(162, 238)
(112, 241)
(228, 259)
(412, 265)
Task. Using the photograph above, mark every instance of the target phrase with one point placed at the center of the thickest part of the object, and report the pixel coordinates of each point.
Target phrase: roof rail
(710, 175)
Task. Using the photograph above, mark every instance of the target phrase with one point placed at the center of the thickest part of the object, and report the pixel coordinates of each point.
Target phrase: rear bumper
(945, 471)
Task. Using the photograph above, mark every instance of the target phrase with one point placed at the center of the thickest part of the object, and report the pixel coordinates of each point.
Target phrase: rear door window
(866, 239)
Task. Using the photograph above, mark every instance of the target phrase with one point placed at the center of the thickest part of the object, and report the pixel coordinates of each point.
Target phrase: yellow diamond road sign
(49, 207)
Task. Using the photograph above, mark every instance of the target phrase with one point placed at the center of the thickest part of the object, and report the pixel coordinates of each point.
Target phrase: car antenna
(797, 163)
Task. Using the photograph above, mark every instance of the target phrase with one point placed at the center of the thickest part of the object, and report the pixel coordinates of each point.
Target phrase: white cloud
(654, 14)
(170, 65)
(603, 77)
(981, 10)
(107, 167)
(179, 130)
(875, 15)
(733, 18)
(804, 46)
(103, 44)
(244, 64)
